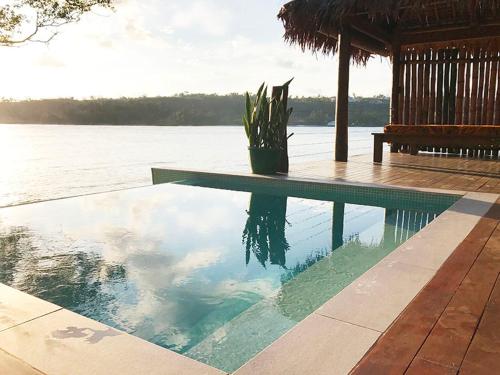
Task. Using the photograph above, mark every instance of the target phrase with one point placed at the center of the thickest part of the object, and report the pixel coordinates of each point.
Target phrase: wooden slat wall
(449, 86)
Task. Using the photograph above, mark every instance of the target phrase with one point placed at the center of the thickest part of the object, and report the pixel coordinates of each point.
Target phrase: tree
(22, 20)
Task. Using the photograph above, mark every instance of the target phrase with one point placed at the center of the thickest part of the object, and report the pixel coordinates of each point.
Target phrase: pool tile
(17, 307)
(431, 246)
(318, 345)
(378, 296)
(64, 343)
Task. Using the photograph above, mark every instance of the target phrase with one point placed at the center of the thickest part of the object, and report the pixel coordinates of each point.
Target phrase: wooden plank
(439, 90)
(420, 87)
(459, 108)
(432, 100)
(413, 99)
(474, 85)
(446, 90)
(483, 354)
(491, 95)
(486, 91)
(449, 340)
(459, 60)
(342, 110)
(480, 88)
(358, 40)
(440, 141)
(497, 99)
(467, 93)
(453, 87)
(407, 88)
(445, 35)
(427, 71)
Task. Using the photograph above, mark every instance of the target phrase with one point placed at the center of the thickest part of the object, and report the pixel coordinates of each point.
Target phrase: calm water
(214, 274)
(46, 162)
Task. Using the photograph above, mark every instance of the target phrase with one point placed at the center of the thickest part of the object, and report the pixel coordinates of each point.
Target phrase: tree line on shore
(183, 109)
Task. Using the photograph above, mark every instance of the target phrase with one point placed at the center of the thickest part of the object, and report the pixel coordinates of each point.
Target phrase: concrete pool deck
(37, 337)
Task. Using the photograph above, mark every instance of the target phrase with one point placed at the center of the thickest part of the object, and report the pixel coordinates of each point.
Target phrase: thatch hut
(445, 55)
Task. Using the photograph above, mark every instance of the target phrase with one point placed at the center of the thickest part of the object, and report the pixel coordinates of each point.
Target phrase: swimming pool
(213, 268)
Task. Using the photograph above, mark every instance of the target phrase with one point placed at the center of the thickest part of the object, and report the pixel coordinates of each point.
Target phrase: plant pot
(264, 160)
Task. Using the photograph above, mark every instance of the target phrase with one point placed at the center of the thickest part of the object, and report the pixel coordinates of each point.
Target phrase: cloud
(164, 48)
(50, 61)
(203, 16)
(136, 31)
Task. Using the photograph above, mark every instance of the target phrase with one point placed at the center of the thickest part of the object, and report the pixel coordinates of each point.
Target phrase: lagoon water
(42, 162)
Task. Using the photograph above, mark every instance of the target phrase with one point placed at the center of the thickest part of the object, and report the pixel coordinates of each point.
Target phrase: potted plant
(265, 122)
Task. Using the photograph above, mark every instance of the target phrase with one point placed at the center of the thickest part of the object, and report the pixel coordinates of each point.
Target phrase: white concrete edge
(134, 344)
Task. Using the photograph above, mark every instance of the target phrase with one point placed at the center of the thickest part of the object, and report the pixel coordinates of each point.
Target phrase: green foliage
(186, 109)
(265, 119)
(21, 20)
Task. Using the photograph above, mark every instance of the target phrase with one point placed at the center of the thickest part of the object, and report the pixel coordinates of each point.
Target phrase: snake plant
(266, 119)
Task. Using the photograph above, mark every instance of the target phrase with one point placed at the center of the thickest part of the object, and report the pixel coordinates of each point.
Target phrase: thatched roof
(379, 25)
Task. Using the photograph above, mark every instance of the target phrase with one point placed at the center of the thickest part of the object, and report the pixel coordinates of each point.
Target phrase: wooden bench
(416, 137)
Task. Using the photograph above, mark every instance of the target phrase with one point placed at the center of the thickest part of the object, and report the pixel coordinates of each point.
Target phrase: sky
(167, 47)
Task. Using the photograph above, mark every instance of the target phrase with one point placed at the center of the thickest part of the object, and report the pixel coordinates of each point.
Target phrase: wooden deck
(451, 173)
(453, 325)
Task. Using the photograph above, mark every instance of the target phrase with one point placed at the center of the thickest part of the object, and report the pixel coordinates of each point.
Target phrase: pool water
(214, 274)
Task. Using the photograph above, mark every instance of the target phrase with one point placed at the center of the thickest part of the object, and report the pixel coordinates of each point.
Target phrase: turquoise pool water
(214, 274)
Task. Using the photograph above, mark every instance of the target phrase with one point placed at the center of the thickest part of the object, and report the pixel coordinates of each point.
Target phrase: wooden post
(395, 85)
(378, 147)
(342, 116)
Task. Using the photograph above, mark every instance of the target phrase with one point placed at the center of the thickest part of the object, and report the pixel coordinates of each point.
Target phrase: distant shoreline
(186, 110)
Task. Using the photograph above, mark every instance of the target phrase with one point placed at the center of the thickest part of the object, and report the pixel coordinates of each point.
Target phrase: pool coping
(331, 339)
